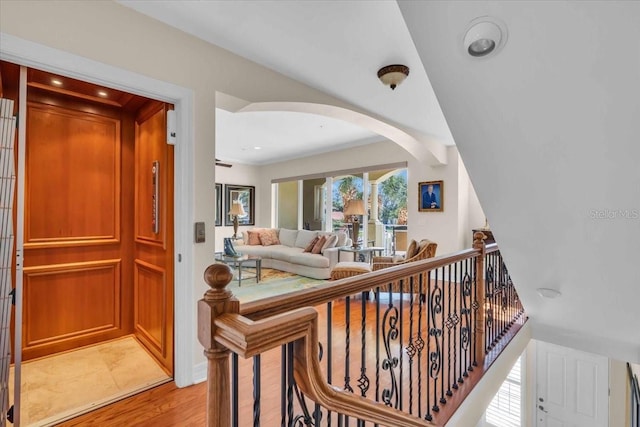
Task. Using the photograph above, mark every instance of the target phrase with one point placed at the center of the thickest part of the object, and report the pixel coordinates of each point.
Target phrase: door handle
(542, 409)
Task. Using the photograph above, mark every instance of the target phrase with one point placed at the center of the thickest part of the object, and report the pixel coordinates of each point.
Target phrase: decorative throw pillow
(254, 236)
(319, 244)
(311, 244)
(412, 249)
(330, 242)
(269, 237)
(342, 238)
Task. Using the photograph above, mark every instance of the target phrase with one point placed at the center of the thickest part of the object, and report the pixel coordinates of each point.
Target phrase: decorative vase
(228, 247)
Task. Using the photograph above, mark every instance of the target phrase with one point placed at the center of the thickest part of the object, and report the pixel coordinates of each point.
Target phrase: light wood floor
(167, 405)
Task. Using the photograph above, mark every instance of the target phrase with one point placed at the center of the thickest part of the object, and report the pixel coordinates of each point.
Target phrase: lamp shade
(237, 208)
(354, 207)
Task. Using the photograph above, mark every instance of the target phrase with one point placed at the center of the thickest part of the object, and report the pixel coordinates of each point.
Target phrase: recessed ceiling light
(257, 148)
(102, 93)
(484, 35)
(56, 82)
(548, 293)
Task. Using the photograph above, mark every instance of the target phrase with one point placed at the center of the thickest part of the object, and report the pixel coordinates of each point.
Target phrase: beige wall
(450, 228)
(287, 205)
(236, 175)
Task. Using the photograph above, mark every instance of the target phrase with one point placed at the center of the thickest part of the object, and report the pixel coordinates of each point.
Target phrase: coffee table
(241, 263)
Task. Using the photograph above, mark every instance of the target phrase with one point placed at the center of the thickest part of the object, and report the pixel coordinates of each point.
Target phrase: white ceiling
(257, 138)
(334, 46)
(548, 130)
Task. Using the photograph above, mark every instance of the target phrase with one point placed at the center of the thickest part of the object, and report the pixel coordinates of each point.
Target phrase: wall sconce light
(236, 210)
(393, 75)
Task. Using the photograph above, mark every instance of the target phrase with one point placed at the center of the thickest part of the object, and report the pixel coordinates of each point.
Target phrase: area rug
(274, 282)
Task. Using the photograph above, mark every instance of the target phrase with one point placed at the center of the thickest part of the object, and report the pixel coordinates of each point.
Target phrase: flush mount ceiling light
(393, 75)
(485, 35)
(548, 293)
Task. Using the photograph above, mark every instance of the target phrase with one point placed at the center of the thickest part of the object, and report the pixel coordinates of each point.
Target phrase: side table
(241, 263)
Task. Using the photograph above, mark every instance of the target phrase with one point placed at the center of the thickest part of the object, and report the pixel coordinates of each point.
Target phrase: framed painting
(218, 204)
(245, 195)
(431, 196)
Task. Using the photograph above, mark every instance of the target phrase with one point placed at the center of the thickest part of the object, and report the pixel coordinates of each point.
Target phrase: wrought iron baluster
(235, 388)
(449, 324)
(256, 391)
(389, 363)
(329, 350)
(377, 391)
(420, 340)
(400, 345)
(347, 344)
(428, 415)
(465, 339)
(435, 356)
(283, 385)
(489, 287)
(363, 381)
(378, 343)
(411, 349)
(290, 383)
(441, 329)
(455, 319)
(475, 305)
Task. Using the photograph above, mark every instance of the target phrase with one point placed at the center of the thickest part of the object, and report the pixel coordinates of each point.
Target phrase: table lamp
(354, 208)
(236, 210)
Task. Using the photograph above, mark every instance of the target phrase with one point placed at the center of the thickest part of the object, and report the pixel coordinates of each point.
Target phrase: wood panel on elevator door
(153, 266)
(73, 292)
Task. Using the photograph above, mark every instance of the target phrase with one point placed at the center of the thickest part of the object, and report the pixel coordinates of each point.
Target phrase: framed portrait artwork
(245, 195)
(431, 196)
(218, 204)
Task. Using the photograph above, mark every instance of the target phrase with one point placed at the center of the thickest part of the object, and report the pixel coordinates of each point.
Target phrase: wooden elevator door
(153, 267)
(76, 274)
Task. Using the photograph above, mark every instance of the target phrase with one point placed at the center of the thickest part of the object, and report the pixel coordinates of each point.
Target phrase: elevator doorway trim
(23, 52)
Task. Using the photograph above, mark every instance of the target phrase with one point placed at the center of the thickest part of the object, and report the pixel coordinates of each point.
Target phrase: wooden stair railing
(250, 330)
(231, 331)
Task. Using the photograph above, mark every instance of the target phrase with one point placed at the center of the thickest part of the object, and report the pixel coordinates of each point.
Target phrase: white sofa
(289, 255)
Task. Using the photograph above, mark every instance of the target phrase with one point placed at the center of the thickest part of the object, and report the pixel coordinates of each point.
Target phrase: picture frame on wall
(218, 205)
(246, 195)
(431, 196)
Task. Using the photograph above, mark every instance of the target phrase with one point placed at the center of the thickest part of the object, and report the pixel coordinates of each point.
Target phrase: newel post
(217, 300)
(478, 243)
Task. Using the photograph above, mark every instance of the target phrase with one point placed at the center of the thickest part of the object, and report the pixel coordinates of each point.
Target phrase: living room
(451, 227)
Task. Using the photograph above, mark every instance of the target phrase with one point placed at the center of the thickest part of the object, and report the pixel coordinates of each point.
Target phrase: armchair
(415, 252)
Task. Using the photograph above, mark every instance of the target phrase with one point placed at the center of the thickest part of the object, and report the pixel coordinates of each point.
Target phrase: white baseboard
(199, 372)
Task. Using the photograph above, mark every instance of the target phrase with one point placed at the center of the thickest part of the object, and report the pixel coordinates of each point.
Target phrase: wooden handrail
(248, 338)
(327, 292)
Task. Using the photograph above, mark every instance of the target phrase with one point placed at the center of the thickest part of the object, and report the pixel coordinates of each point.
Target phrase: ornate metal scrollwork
(435, 356)
(465, 331)
(389, 333)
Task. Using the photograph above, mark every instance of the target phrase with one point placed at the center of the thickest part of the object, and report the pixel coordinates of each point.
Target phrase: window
(505, 410)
